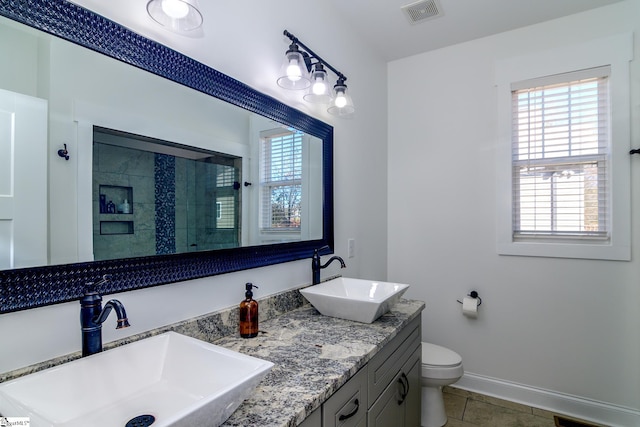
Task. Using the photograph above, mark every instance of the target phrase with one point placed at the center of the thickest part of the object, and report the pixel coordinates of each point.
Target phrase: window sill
(582, 250)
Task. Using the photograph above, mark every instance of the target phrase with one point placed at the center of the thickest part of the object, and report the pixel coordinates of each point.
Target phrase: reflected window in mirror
(288, 185)
(281, 182)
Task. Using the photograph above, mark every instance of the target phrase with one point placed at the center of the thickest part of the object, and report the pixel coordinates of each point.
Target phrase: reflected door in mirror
(23, 180)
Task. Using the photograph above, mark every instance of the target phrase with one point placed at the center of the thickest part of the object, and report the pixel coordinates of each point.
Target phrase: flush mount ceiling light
(303, 69)
(175, 15)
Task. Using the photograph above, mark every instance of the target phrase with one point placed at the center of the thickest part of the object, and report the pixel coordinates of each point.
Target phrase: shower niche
(111, 227)
(115, 204)
(115, 199)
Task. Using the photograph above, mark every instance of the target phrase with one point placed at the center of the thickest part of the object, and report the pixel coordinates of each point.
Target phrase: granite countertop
(314, 355)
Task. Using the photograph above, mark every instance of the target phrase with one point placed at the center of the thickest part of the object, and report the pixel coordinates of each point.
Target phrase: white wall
(565, 326)
(251, 49)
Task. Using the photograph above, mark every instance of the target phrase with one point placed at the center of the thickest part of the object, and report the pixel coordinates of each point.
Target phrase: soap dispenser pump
(249, 314)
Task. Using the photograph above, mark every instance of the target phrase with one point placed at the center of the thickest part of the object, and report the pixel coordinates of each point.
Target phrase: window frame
(541, 152)
(615, 52)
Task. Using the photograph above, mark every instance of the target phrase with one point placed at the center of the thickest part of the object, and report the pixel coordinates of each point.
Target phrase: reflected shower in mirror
(151, 197)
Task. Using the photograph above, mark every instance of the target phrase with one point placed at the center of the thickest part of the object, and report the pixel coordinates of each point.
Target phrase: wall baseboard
(565, 404)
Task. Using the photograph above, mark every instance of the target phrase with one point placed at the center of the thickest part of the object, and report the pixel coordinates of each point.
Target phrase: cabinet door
(389, 360)
(313, 420)
(413, 400)
(389, 409)
(347, 407)
(399, 405)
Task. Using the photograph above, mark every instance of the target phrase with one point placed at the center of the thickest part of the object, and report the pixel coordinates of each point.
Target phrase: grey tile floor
(468, 409)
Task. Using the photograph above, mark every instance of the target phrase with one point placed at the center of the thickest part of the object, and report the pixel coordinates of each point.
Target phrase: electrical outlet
(351, 248)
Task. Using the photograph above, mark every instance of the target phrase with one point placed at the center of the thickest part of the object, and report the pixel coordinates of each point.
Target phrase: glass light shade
(294, 70)
(319, 91)
(342, 105)
(175, 15)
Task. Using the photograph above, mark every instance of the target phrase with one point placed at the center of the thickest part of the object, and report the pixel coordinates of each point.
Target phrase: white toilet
(440, 367)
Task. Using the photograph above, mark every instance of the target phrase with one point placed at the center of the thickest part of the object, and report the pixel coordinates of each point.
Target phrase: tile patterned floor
(468, 409)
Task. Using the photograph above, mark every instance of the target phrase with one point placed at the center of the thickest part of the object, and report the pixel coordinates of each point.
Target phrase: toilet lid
(439, 356)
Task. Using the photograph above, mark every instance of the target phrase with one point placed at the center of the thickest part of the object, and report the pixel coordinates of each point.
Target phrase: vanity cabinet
(386, 392)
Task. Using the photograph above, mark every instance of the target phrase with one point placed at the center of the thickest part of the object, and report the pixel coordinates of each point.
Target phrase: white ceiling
(385, 26)
(381, 23)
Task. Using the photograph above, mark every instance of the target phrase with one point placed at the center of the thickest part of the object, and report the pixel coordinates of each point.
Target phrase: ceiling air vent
(422, 10)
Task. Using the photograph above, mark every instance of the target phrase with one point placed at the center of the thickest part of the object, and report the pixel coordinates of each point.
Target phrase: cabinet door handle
(352, 413)
(404, 381)
(402, 393)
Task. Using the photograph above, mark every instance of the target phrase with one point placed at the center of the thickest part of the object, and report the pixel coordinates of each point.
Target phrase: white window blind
(225, 212)
(281, 182)
(225, 176)
(226, 204)
(561, 156)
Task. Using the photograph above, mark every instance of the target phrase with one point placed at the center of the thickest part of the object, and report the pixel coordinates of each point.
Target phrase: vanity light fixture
(175, 15)
(320, 89)
(303, 69)
(342, 103)
(294, 74)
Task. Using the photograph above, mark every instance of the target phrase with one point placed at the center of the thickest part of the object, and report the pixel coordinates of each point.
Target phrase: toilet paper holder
(473, 294)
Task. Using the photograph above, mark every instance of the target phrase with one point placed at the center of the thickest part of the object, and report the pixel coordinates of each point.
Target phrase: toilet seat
(437, 356)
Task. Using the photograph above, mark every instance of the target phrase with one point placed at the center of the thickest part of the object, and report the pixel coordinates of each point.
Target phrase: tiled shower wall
(119, 166)
(159, 202)
(162, 187)
(165, 198)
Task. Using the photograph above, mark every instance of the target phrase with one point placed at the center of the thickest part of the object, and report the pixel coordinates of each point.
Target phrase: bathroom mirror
(24, 288)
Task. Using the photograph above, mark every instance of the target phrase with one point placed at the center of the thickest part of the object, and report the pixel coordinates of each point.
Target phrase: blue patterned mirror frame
(26, 288)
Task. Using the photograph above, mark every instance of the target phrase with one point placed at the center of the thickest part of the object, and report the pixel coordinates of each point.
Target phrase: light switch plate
(351, 248)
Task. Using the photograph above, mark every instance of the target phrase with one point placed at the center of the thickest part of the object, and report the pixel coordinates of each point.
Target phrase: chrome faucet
(316, 266)
(92, 316)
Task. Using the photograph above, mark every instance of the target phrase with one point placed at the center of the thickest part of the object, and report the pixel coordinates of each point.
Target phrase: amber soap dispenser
(249, 314)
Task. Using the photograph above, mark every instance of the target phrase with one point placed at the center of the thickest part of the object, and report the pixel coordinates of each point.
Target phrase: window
(563, 169)
(560, 149)
(281, 182)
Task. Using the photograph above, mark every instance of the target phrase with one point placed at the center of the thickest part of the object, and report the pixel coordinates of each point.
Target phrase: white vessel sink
(354, 299)
(177, 379)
